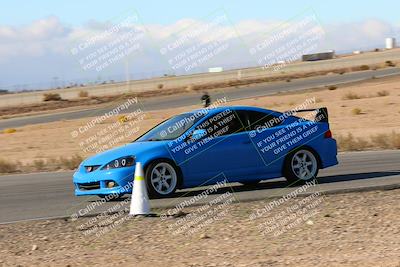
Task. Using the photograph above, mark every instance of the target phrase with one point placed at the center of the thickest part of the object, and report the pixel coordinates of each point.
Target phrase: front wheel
(301, 166)
(162, 178)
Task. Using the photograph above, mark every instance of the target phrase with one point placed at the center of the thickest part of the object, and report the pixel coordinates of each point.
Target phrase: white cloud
(50, 40)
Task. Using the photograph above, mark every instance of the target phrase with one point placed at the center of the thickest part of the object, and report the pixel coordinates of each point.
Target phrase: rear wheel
(162, 178)
(301, 166)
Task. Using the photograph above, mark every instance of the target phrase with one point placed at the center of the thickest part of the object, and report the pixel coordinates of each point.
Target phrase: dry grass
(9, 130)
(351, 143)
(39, 165)
(389, 63)
(123, 118)
(386, 141)
(383, 93)
(70, 163)
(356, 111)
(378, 141)
(351, 96)
(51, 97)
(83, 94)
(364, 67)
(52, 164)
(7, 167)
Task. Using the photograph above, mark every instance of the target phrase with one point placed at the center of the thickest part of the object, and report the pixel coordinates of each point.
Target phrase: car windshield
(171, 128)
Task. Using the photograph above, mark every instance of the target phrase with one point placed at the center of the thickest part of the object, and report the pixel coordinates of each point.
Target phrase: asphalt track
(50, 195)
(156, 103)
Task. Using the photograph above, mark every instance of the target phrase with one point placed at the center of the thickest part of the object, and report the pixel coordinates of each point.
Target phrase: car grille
(89, 186)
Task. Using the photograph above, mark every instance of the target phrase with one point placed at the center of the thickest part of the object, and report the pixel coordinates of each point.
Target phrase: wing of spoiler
(321, 114)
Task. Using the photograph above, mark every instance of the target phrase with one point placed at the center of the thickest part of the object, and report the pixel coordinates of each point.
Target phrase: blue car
(206, 146)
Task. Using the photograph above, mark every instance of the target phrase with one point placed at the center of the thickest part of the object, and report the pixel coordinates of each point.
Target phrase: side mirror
(198, 134)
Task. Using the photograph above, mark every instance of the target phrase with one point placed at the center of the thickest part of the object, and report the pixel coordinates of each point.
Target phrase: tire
(301, 166)
(163, 177)
(250, 183)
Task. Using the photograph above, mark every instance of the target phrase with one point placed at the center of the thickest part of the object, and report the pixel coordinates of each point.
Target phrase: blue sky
(36, 37)
(75, 12)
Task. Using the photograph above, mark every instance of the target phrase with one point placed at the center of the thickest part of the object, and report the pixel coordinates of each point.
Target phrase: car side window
(223, 123)
(260, 119)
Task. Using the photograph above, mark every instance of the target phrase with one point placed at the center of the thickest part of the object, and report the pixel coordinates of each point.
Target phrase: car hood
(131, 149)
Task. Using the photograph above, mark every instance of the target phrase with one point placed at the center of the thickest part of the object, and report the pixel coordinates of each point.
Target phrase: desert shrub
(383, 93)
(53, 163)
(123, 118)
(160, 86)
(9, 130)
(7, 167)
(83, 94)
(39, 164)
(51, 97)
(364, 67)
(389, 63)
(70, 163)
(350, 143)
(351, 96)
(332, 87)
(395, 140)
(386, 141)
(190, 87)
(381, 141)
(356, 111)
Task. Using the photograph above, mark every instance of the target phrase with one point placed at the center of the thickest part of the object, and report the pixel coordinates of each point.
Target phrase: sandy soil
(357, 229)
(52, 140)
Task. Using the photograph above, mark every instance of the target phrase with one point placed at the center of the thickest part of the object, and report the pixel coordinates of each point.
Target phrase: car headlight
(119, 163)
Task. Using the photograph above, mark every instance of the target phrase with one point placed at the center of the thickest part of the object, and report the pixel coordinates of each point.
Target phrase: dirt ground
(354, 229)
(377, 114)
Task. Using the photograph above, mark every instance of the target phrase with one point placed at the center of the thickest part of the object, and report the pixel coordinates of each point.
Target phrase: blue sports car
(206, 146)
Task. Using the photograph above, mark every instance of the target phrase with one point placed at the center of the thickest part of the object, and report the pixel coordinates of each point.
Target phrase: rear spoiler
(320, 116)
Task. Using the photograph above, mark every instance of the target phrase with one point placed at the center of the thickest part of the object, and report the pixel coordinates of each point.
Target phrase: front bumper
(94, 183)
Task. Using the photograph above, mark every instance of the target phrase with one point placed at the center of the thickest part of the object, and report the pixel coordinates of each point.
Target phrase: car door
(265, 131)
(226, 151)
